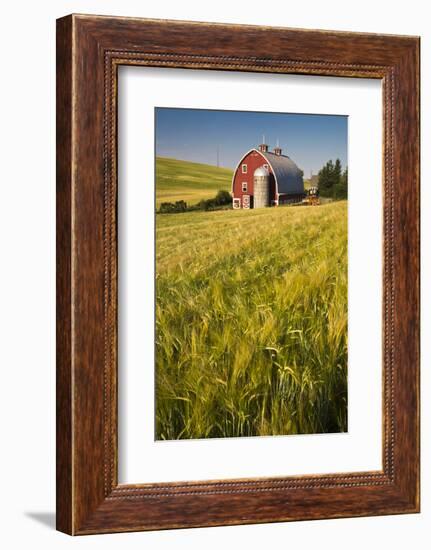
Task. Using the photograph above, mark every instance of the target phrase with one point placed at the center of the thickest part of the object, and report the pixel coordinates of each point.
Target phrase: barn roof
(287, 175)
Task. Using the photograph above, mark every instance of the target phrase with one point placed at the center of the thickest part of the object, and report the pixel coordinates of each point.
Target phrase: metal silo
(261, 188)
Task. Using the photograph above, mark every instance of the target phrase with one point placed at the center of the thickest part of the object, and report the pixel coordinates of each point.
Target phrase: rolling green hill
(189, 181)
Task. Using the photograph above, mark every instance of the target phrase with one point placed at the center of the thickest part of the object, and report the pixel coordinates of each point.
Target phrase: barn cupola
(263, 147)
(277, 150)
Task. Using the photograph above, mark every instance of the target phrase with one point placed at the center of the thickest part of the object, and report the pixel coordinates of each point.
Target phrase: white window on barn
(244, 168)
(236, 203)
(244, 187)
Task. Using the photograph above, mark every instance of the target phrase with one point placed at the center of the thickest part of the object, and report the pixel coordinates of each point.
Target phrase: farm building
(263, 178)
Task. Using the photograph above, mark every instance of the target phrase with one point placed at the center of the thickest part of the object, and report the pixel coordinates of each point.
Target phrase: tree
(337, 171)
(167, 207)
(333, 181)
(343, 185)
(180, 206)
(222, 198)
(171, 207)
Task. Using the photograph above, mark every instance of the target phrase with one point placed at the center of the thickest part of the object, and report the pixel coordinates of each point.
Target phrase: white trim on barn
(264, 158)
(237, 167)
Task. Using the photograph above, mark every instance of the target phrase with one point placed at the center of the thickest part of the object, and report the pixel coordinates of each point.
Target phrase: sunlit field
(251, 322)
(189, 181)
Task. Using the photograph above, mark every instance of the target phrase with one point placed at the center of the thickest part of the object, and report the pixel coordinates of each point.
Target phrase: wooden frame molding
(89, 51)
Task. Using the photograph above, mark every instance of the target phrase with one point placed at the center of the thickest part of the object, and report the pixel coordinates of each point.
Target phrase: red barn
(263, 178)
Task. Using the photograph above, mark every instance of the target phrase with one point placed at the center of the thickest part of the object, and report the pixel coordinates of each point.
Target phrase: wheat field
(251, 322)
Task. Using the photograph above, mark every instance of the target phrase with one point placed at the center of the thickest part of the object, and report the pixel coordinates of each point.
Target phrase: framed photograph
(237, 274)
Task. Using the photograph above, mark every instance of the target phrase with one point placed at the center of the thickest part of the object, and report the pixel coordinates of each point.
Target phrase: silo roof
(261, 172)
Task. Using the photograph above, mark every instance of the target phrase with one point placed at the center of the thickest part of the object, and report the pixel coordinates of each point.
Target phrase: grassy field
(251, 322)
(189, 181)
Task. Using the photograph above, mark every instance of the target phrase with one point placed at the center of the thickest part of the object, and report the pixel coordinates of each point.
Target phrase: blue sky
(195, 135)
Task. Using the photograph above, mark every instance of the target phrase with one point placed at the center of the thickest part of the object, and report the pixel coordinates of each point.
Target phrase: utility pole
(218, 156)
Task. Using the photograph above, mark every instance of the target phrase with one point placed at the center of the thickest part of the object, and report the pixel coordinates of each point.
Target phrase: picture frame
(89, 51)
